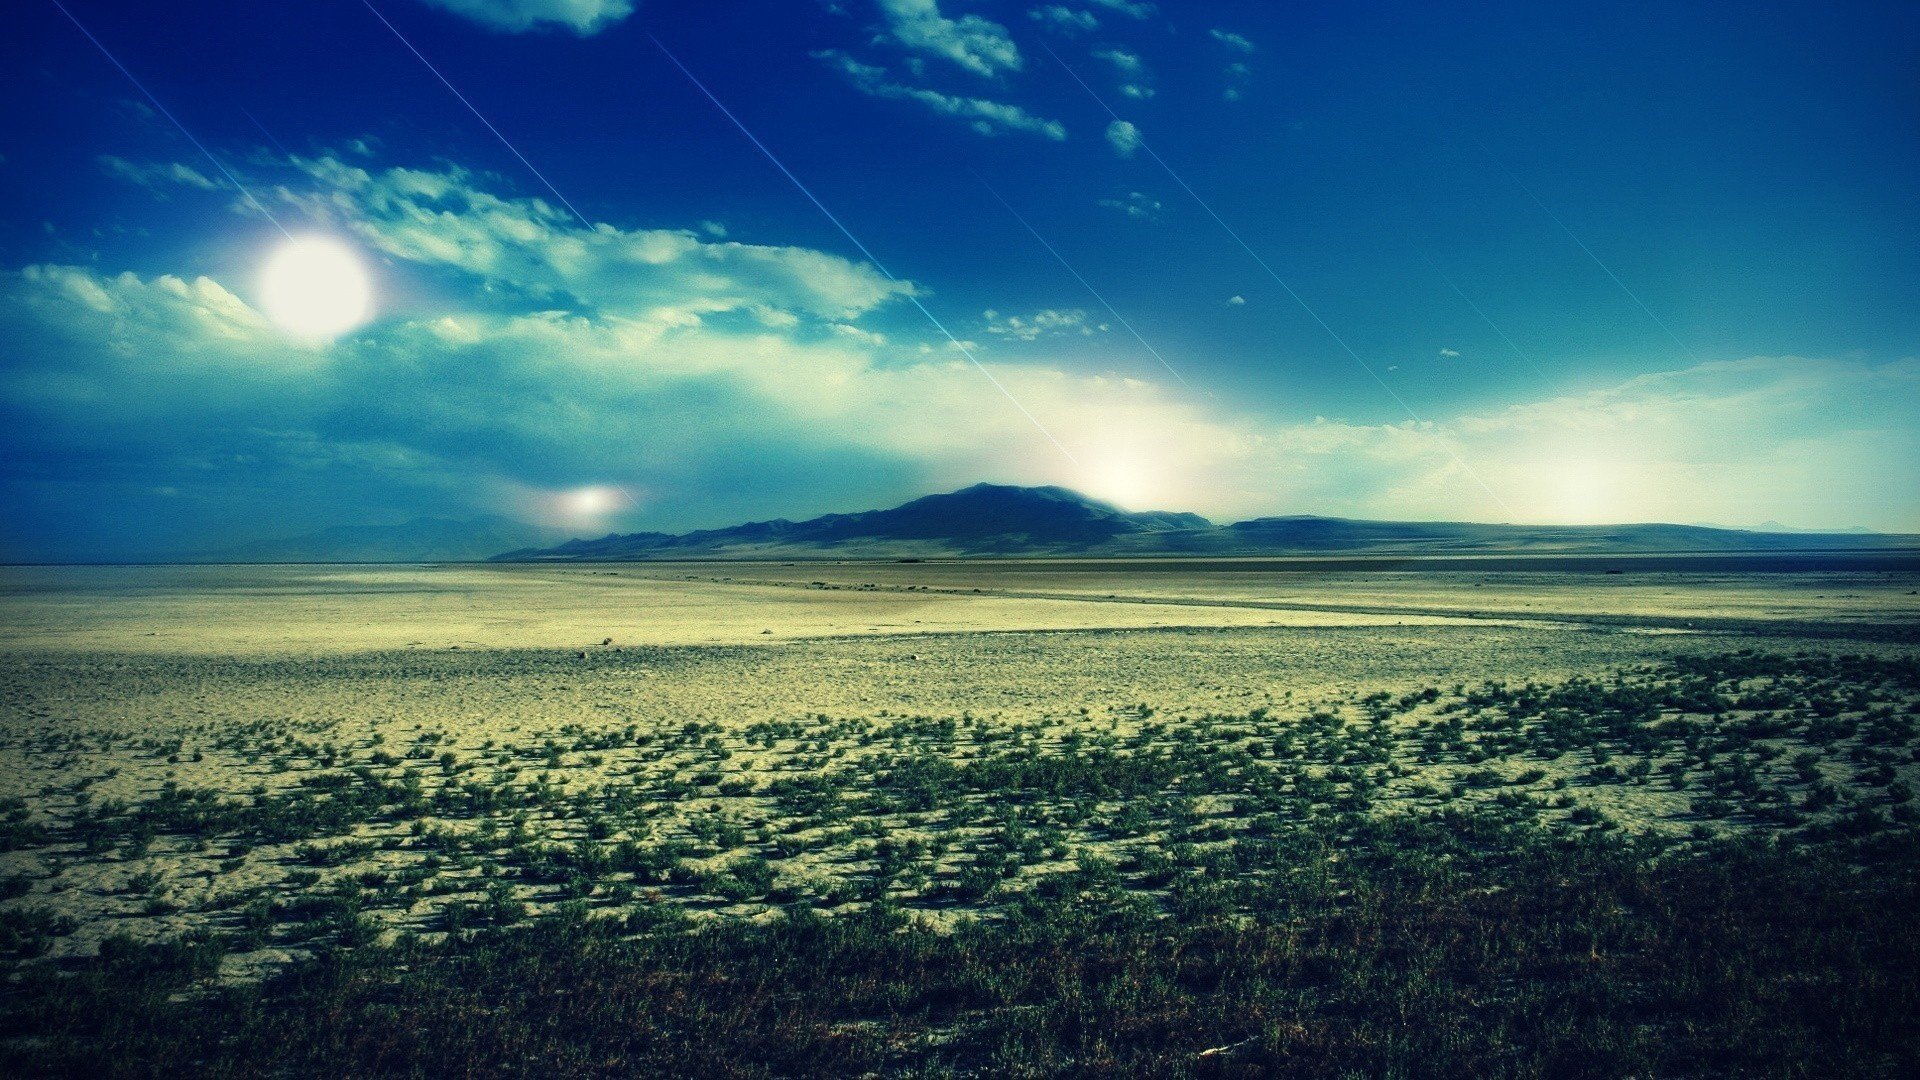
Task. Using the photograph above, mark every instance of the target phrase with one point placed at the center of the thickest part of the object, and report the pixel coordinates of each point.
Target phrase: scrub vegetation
(1699, 865)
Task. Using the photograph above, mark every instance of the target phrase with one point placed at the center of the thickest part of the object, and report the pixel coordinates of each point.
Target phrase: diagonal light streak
(848, 233)
(1484, 317)
(482, 117)
(1282, 282)
(1582, 245)
(277, 144)
(1062, 259)
(197, 144)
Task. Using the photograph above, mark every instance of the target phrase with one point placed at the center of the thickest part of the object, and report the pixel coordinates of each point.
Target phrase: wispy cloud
(1135, 79)
(979, 45)
(1124, 137)
(1135, 204)
(1047, 322)
(530, 248)
(1238, 72)
(1237, 77)
(1236, 42)
(518, 16)
(985, 116)
(157, 177)
(1063, 18)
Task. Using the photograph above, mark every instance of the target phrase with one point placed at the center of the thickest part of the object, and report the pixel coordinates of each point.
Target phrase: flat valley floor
(1475, 817)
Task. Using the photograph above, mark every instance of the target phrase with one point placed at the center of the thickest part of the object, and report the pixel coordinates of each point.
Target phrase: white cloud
(979, 45)
(157, 177)
(1134, 9)
(1124, 137)
(1047, 322)
(205, 309)
(1135, 79)
(517, 16)
(1236, 301)
(1231, 40)
(1064, 18)
(984, 116)
(1237, 73)
(539, 251)
(1136, 204)
(1448, 352)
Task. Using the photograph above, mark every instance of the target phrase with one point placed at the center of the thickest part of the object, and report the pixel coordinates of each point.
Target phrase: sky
(1494, 262)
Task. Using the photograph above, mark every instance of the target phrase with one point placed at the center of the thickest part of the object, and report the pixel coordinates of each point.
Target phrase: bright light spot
(1584, 491)
(1124, 477)
(591, 502)
(588, 508)
(579, 508)
(315, 287)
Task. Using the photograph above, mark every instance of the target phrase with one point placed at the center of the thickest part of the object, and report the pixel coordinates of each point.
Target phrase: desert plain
(237, 791)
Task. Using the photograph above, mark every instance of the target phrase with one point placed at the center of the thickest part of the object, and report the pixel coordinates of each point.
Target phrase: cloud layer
(976, 44)
(518, 16)
(721, 379)
(985, 116)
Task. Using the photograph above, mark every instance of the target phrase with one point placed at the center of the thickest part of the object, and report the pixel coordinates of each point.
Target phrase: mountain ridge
(1004, 520)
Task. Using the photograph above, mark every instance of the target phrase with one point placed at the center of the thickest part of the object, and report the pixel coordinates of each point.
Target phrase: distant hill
(992, 519)
(983, 519)
(419, 540)
(1319, 534)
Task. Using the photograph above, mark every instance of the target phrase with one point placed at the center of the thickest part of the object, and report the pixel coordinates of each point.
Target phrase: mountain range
(1000, 520)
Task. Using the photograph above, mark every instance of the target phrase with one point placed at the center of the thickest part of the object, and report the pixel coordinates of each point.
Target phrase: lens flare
(315, 287)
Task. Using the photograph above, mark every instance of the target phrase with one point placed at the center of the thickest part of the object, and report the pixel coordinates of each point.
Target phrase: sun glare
(316, 287)
(591, 502)
(586, 507)
(1121, 474)
(1584, 491)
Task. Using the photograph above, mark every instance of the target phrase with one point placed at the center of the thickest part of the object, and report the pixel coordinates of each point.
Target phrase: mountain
(983, 519)
(1318, 534)
(419, 540)
(993, 519)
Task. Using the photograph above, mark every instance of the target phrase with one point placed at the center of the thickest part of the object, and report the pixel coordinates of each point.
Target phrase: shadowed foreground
(1449, 944)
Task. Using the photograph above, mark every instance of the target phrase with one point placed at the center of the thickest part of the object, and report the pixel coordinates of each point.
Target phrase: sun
(316, 287)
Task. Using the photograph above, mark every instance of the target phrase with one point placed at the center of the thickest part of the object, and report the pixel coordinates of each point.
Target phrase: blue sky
(707, 346)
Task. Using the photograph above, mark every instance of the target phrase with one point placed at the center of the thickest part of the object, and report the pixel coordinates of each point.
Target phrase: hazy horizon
(334, 545)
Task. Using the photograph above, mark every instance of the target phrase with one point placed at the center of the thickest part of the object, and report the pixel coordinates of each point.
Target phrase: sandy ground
(119, 685)
(314, 610)
(308, 610)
